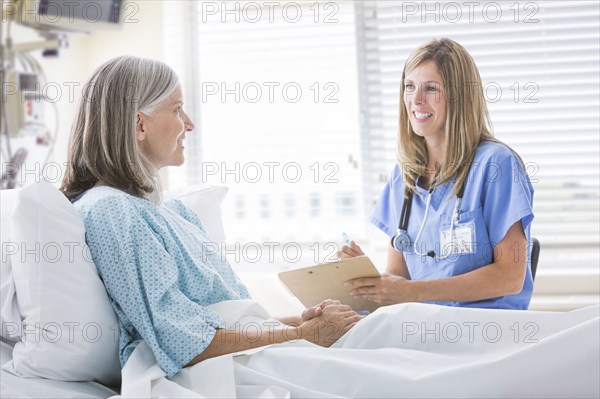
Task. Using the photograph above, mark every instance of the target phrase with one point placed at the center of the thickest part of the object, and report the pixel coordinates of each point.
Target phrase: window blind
(274, 95)
(539, 63)
(540, 66)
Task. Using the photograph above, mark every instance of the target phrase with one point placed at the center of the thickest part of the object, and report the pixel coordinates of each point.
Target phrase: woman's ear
(140, 132)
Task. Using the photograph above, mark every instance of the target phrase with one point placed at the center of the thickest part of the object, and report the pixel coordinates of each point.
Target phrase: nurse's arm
(505, 276)
(396, 264)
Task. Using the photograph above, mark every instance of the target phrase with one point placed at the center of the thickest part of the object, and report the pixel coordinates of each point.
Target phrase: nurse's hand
(315, 311)
(330, 325)
(386, 290)
(350, 251)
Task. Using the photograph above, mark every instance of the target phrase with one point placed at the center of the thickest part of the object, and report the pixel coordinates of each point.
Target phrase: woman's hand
(315, 311)
(386, 290)
(308, 314)
(333, 322)
(350, 251)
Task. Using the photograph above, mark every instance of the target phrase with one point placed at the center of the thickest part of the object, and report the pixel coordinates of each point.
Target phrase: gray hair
(102, 145)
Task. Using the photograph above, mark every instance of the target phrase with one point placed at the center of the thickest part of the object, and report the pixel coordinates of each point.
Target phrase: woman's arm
(333, 322)
(503, 277)
(396, 264)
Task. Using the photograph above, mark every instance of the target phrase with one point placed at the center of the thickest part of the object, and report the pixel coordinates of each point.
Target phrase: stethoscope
(401, 241)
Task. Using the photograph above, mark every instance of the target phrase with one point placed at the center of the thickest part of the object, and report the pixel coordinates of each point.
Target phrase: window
(315, 205)
(240, 211)
(345, 204)
(275, 101)
(265, 209)
(302, 98)
(539, 63)
(290, 206)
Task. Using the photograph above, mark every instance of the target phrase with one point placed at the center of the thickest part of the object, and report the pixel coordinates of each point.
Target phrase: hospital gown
(160, 270)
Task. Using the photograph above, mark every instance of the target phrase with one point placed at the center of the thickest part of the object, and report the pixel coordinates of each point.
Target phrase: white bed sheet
(554, 355)
(384, 356)
(18, 387)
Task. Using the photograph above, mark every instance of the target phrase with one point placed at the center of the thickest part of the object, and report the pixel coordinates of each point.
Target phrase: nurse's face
(425, 102)
(160, 135)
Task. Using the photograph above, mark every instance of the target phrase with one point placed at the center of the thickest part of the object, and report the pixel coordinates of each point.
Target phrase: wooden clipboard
(311, 285)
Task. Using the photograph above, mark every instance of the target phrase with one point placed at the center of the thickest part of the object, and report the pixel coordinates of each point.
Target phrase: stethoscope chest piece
(401, 241)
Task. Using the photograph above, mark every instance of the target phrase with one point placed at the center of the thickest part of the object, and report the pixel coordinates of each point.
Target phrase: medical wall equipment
(83, 16)
(24, 87)
(401, 241)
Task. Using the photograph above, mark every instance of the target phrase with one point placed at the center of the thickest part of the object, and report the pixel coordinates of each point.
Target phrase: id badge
(461, 241)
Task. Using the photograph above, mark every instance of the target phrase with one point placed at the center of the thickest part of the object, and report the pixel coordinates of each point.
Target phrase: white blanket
(410, 350)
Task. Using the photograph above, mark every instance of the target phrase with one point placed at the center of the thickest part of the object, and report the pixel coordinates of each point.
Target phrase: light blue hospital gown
(158, 274)
(498, 193)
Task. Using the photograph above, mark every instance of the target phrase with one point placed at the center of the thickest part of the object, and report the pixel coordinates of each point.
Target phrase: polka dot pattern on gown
(160, 270)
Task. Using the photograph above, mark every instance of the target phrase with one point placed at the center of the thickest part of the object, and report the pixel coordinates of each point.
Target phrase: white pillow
(205, 200)
(69, 330)
(9, 312)
(64, 294)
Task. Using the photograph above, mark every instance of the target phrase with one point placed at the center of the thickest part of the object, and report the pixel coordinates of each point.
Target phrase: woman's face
(160, 135)
(425, 101)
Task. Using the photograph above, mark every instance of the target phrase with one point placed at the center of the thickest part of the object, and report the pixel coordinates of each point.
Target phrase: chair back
(535, 256)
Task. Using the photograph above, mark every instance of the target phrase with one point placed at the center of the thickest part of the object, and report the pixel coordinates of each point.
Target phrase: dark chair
(535, 256)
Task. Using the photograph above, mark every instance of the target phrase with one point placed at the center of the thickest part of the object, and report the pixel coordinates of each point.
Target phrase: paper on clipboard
(311, 285)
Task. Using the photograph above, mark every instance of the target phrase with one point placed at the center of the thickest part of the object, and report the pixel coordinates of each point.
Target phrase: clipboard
(311, 285)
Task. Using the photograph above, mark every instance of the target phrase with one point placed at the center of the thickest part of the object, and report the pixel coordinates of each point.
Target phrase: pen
(346, 240)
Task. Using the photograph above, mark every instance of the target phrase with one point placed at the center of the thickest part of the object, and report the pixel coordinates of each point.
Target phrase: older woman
(150, 254)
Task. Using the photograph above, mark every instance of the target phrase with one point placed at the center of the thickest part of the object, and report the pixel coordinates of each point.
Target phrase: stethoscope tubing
(402, 233)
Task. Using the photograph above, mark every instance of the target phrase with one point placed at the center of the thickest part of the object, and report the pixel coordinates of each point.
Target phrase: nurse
(458, 205)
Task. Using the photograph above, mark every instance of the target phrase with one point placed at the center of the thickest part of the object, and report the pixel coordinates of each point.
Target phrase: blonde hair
(102, 145)
(467, 119)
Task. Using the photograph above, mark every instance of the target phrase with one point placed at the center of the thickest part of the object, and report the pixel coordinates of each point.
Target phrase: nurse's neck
(435, 157)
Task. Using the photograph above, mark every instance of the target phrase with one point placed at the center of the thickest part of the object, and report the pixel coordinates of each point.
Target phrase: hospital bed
(19, 387)
(410, 350)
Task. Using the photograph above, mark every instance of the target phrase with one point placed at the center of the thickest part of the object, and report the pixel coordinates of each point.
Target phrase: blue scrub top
(498, 193)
